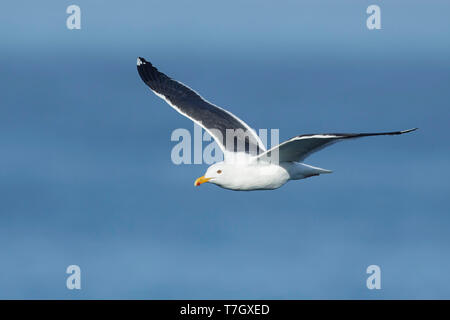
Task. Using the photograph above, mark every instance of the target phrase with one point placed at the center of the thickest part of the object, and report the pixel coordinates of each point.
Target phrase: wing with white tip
(215, 120)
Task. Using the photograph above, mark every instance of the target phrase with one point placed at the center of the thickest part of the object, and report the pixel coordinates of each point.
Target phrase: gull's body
(259, 175)
(247, 164)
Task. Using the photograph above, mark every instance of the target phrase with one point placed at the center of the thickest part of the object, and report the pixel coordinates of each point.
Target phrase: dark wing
(300, 147)
(215, 120)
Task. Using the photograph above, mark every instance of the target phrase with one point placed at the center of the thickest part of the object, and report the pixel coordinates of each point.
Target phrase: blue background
(86, 176)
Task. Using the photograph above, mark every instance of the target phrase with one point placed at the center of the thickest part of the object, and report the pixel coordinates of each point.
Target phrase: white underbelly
(259, 177)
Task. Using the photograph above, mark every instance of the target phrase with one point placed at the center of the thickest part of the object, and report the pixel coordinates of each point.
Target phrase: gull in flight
(247, 164)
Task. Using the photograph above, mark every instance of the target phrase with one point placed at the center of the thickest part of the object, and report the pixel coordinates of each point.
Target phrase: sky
(86, 176)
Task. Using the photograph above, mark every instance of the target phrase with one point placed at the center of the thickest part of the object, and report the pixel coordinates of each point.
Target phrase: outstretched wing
(215, 120)
(300, 147)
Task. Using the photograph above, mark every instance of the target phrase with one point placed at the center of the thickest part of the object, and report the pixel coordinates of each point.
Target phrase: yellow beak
(201, 180)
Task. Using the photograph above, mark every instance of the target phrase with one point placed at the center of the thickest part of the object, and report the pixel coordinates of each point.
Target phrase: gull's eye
(219, 171)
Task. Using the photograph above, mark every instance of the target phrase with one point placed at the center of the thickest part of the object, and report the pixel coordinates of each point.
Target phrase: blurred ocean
(86, 176)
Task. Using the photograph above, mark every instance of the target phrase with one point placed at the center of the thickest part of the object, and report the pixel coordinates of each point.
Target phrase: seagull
(247, 164)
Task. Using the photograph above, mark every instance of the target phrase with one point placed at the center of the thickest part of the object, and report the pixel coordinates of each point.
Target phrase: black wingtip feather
(147, 72)
(141, 60)
(409, 130)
